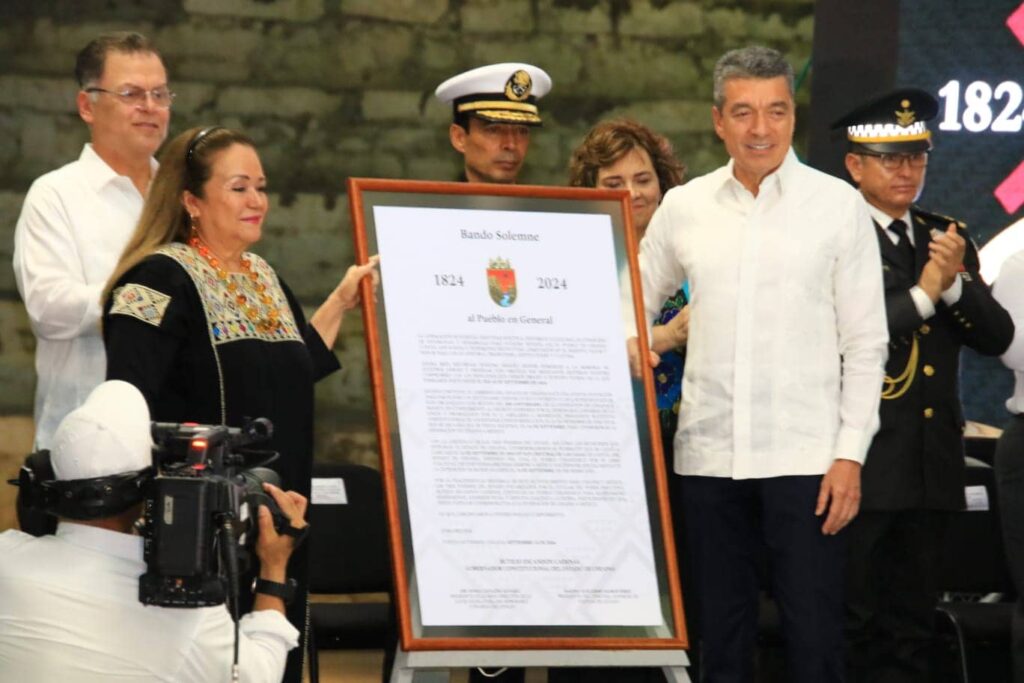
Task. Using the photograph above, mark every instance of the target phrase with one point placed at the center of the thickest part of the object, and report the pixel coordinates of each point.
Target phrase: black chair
(349, 555)
(981, 448)
(973, 565)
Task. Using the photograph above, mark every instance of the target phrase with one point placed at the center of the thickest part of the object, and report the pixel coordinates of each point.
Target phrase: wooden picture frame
(371, 199)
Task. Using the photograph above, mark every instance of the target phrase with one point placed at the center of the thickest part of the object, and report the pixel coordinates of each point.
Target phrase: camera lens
(254, 478)
(253, 495)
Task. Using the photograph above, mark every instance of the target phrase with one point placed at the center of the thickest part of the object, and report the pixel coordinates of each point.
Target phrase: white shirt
(923, 303)
(788, 338)
(70, 611)
(1008, 290)
(73, 226)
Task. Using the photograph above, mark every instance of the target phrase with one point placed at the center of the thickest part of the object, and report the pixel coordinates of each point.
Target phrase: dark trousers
(1010, 481)
(891, 592)
(730, 525)
(684, 559)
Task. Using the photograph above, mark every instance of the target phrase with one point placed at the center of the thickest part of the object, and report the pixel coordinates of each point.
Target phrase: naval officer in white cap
(493, 109)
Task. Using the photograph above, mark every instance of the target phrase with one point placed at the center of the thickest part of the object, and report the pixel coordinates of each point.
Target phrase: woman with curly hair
(624, 154)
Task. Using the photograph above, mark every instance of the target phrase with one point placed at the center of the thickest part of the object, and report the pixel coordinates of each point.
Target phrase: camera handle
(229, 548)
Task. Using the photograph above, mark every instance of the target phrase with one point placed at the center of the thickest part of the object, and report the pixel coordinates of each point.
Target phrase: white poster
(518, 433)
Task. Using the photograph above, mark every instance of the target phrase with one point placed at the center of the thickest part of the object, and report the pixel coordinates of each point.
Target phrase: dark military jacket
(916, 460)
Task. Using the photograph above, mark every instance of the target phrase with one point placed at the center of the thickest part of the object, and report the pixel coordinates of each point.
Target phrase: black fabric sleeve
(901, 314)
(323, 359)
(143, 352)
(981, 322)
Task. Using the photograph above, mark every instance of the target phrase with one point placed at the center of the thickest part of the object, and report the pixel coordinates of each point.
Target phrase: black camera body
(201, 511)
(201, 501)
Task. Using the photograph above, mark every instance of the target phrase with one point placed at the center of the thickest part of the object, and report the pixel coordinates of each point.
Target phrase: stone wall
(338, 88)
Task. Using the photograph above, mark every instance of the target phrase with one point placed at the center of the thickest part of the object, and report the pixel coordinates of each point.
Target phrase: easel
(436, 666)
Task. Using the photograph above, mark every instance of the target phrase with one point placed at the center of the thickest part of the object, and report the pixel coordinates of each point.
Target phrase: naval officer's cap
(502, 93)
(893, 123)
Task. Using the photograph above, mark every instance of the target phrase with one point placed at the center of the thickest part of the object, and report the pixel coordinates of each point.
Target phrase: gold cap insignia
(906, 116)
(518, 86)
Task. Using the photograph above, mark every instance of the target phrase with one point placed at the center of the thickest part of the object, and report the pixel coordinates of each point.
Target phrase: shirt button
(925, 329)
(928, 413)
(929, 371)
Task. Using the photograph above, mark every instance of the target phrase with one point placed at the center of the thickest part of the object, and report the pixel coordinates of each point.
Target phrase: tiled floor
(350, 666)
(363, 666)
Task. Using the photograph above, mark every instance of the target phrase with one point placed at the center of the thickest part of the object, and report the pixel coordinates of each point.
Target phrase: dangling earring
(193, 235)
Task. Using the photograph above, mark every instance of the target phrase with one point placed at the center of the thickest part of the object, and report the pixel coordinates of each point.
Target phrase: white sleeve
(863, 335)
(922, 302)
(952, 295)
(661, 273)
(1008, 290)
(264, 641)
(924, 305)
(48, 269)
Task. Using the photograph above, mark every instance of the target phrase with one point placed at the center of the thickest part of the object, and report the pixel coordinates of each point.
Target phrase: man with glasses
(935, 302)
(77, 219)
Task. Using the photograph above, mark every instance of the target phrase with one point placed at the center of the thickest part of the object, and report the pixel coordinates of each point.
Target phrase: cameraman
(69, 603)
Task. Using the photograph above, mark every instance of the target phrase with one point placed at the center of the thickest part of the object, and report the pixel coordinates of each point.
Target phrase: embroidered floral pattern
(668, 376)
(142, 303)
(226, 319)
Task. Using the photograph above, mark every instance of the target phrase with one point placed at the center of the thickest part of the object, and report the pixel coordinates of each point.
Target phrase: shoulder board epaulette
(924, 217)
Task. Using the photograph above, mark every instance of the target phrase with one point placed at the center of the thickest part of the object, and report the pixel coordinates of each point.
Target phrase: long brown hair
(609, 141)
(185, 164)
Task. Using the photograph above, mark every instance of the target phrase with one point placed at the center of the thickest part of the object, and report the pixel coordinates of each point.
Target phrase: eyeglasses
(891, 162)
(135, 96)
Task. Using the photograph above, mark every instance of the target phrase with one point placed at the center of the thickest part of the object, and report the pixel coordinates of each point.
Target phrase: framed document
(525, 485)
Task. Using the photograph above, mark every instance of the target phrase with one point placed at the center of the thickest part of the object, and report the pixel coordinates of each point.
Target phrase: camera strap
(81, 499)
(299, 535)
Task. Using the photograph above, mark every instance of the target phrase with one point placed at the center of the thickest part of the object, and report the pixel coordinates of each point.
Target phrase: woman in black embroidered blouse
(207, 331)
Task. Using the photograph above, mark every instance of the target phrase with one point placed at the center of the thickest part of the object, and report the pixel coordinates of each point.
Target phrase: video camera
(200, 501)
(204, 498)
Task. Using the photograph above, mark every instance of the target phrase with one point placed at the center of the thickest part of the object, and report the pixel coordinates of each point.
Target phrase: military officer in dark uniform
(494, 108)
(936, 302)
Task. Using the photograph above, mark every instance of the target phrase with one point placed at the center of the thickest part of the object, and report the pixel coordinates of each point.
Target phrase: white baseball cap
(108, 434)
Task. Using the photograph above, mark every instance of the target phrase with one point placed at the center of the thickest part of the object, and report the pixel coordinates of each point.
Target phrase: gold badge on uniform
(907, 116)
(518, 86)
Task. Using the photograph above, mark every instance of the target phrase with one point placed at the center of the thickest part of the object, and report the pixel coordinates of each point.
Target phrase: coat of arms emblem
(501, 282)
(518, 86)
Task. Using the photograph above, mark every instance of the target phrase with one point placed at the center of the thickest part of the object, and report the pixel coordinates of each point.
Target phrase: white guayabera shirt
(1008, 290)
(788, 338)
(73, 226)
